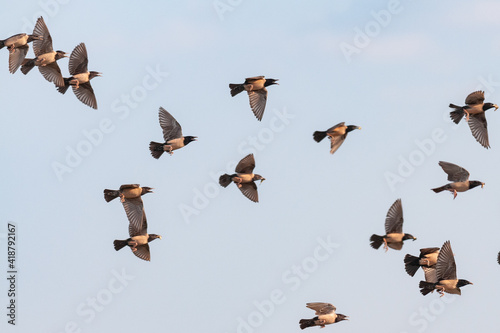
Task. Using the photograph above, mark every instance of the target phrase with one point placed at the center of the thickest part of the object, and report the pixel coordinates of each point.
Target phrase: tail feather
(412, 264)
(64, 88)
(110, 195)
(305, 323)
(156, 149)
(28, 65)
(426, 287)
(458, 114)
(2, 44)
(319, 135)
(225, 180)
(236, 89)
(440, 189)
(376, 241)
(119, 244)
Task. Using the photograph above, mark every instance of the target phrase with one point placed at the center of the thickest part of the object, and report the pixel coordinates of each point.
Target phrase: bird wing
(171, 128)
(143, 252)
(143, 230)
(246, 165)
(44, 45)
(78, 60)
(322, 308)
(134, 208)
(394, 218)
(52, 73)
(430, 274)
(336, 142)
(446, 267)
(428, 250)
(249, 190)
(85, 94)
(258, 100)
(254, 78)
(127, 186)
(477, 97)
(16, 57)
(455, 173)
(331, 129)
(479, 128)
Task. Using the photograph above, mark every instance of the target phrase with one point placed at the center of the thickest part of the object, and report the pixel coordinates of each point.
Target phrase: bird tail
(426, 287)
(412, 264)
(458, 114)
(236, 89)
(376, 241)
(28, 65)
(64, 88)
(225, 180)
(319, 135)
(156, 149)
(2, 44)
(305, 323)
(110, 195)
(440, 189)
(119, 244)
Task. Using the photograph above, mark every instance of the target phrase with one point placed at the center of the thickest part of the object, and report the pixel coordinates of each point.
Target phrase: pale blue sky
(223, 259)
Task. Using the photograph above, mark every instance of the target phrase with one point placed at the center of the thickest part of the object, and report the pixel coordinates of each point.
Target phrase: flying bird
(172, 134)
(337, 135)
(474, 111)
(46, 57)
(394, 235)
(427, 258)
(257, 92)
(130, 196)
(18, 48)
(460, 178)
(325, 315)
(244, 178)
(139, 239)
(446, 275)
(80, 77)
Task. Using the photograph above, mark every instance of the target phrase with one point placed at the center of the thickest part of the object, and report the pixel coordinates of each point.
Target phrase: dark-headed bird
(474, 111)
(139, 239)
(130, 196)
(172, 134)
(427, 258)
(460, 178)
(80, 77)
(337, 135)
(394, 235)
(244, 178)
(257, 92)
(446, 275)
(18, 48)
(46, 57)
(325, 315)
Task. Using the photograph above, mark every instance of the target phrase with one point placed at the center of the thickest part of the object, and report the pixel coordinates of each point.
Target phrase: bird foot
(386, 247)
(122, 197)
(466, 115)
(168, 149)
(454, 194)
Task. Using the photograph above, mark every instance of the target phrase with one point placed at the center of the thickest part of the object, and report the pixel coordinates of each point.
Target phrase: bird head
(188, 139)
(462, 283)
(341, 317)
(488, 106)
(259, 177)
(146, 190)
(270, 82)
(475, 183)
(93, 74)
(61, 54)
(152, 237)
(352, 128)
(408, 236)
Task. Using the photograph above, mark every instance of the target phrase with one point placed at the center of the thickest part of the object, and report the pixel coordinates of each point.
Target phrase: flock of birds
(437, 263)
(46, 61)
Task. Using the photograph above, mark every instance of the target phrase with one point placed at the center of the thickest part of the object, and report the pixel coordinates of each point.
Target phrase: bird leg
(454, 194)
(386, 247)
(75, 83)
(168, 149)
(425, 261)
(11, 48)
(238, 181)
(122, 197)
(321, 323)
(440, 290)
(466, 115)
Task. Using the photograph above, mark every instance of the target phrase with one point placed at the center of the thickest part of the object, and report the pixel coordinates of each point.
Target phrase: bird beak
(195, 138)
(262, 180)
(151, 190)
(99, 74)
(159, 236)
(66, 55)
(359, 127)
(495, 106)
(482, 185)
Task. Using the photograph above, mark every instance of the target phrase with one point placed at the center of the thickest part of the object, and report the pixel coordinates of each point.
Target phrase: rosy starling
(257, 92)
(427, 258)
(18, 48)
(337, 135)
(394, 235)
(460, 178)
(172, 134)
(244, 178)
(325, 315)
